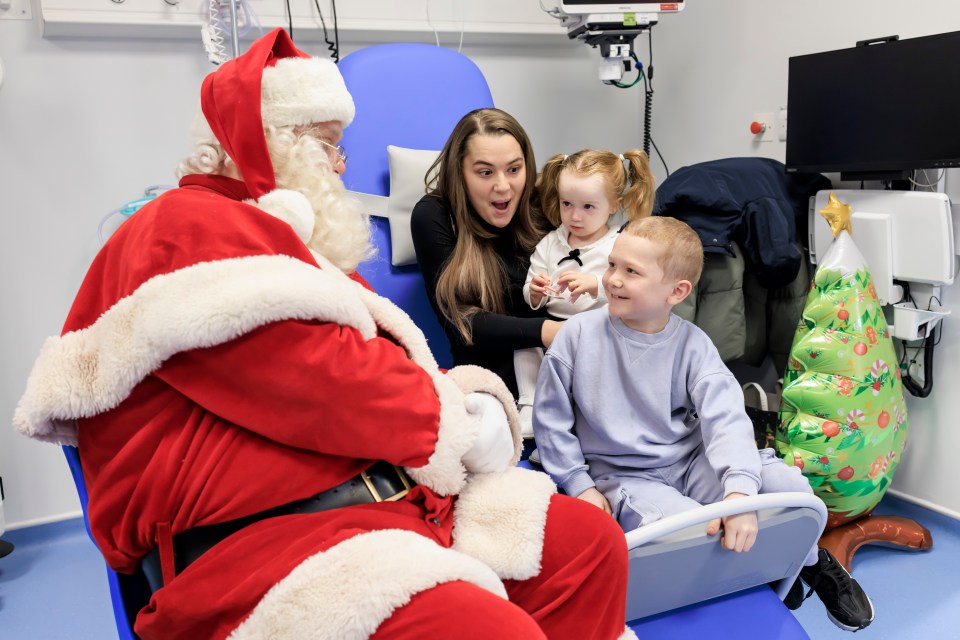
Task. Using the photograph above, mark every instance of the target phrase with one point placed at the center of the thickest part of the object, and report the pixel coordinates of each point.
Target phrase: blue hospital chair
(410, 96)
(128, 594)
(681, 584)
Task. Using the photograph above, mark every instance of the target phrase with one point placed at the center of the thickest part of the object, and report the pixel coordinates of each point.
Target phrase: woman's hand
(549, 331)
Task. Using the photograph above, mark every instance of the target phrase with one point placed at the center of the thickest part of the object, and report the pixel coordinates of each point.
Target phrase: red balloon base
(844, 540)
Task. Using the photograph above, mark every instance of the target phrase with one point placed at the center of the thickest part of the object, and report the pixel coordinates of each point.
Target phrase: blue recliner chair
(128, 594)
(408, 96)
(411, 96)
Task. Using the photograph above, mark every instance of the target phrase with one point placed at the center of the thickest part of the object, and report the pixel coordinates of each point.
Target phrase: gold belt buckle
(376, 494)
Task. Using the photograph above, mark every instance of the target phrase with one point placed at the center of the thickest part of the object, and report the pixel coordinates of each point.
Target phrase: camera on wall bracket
(613, 34)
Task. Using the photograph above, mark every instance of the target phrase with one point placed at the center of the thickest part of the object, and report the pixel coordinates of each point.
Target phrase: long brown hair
(633, 185)
(474, 278)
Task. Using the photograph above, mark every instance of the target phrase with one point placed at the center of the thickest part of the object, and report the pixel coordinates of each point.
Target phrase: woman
(473, 234)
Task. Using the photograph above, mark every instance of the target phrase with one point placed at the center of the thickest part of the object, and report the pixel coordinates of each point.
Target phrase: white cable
(214, 26)
(211, 33)
(463, 26)
(103, 220)
(932, 185)
(430, 23)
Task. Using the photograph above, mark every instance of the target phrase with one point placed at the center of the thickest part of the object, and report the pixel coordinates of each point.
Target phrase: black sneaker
(795, 596)
(847, 605)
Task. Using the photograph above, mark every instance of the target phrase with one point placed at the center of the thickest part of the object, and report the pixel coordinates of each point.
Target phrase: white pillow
(407, 170)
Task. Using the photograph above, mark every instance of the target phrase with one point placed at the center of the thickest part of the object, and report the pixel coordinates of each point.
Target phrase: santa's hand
(494, 447)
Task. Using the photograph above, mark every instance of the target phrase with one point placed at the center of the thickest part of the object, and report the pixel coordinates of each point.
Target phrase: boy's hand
(597, 499)
(739, 531)
(578, 283)
(538, 287)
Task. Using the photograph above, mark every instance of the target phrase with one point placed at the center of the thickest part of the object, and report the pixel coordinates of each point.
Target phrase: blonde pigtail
(547, 188)
(638, 197)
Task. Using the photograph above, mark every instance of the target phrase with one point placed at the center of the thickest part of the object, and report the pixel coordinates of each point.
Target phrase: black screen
(887, 107)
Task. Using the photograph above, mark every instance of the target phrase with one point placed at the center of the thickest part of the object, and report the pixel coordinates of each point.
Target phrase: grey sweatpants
(648, 495)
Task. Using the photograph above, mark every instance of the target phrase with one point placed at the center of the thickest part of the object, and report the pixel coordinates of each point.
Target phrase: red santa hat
(272, 84)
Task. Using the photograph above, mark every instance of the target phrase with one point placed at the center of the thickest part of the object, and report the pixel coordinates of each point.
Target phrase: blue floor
(53, 586)
(916, 594)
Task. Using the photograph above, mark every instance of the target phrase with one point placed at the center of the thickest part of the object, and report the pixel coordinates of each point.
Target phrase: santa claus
(270, 440)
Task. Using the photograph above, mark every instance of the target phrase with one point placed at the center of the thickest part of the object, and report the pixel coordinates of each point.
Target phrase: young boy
(636, 413)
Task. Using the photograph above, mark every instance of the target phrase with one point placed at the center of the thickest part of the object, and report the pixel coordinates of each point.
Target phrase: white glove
(494, 447)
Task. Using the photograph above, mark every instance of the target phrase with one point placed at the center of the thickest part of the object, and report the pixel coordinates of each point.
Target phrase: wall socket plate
(782, 124)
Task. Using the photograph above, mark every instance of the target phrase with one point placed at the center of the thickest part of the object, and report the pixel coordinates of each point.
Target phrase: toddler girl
(580, 195)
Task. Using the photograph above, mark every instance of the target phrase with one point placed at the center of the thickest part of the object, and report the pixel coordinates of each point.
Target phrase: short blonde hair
(682, 257)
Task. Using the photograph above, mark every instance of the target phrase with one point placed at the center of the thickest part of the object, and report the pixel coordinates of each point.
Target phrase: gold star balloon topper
(837, 214)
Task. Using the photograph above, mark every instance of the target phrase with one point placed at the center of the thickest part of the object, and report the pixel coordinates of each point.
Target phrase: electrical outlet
(782, 124)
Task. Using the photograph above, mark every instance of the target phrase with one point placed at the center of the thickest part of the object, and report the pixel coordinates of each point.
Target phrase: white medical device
(905, 237)
(611, 26)
(606, 6)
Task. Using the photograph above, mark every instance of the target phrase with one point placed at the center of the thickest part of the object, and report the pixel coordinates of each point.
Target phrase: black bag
(763, 408)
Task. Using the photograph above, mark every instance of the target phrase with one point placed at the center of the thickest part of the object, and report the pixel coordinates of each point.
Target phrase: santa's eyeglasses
(341, 152)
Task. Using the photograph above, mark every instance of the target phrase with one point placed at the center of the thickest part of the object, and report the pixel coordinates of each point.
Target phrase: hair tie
(625, 162)
(565, 156)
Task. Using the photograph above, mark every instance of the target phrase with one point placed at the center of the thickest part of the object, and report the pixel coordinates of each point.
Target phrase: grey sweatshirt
(611, 400)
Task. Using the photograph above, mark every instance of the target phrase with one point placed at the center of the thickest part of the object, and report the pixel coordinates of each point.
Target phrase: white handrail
(783, 500)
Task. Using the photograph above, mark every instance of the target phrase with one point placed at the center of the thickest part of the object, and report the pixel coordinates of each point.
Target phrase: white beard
(342, 230)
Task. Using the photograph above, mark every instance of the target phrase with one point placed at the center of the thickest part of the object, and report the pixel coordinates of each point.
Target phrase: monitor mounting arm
(613, 33)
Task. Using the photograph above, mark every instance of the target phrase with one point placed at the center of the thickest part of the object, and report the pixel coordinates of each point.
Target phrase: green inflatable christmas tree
(843, 419)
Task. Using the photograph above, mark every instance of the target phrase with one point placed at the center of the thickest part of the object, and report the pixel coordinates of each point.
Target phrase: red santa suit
(213, 367)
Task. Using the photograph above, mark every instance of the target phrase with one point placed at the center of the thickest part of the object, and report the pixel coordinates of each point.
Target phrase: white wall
(86, 124)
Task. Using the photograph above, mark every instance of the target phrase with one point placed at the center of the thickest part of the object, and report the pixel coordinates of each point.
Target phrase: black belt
(382, 482)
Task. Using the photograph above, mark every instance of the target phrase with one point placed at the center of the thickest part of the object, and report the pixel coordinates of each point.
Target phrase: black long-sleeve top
(495, 335)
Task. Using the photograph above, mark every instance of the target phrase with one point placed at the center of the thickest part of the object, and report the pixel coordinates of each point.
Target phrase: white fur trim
(500, 520)
(92, 370)
(299, 91)
(471, 378)
(398, 324)
(290, 206)
(346, 592)
(628, 634)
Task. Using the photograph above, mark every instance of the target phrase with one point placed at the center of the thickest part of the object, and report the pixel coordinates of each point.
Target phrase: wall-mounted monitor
(876, 111)
(607, 6)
